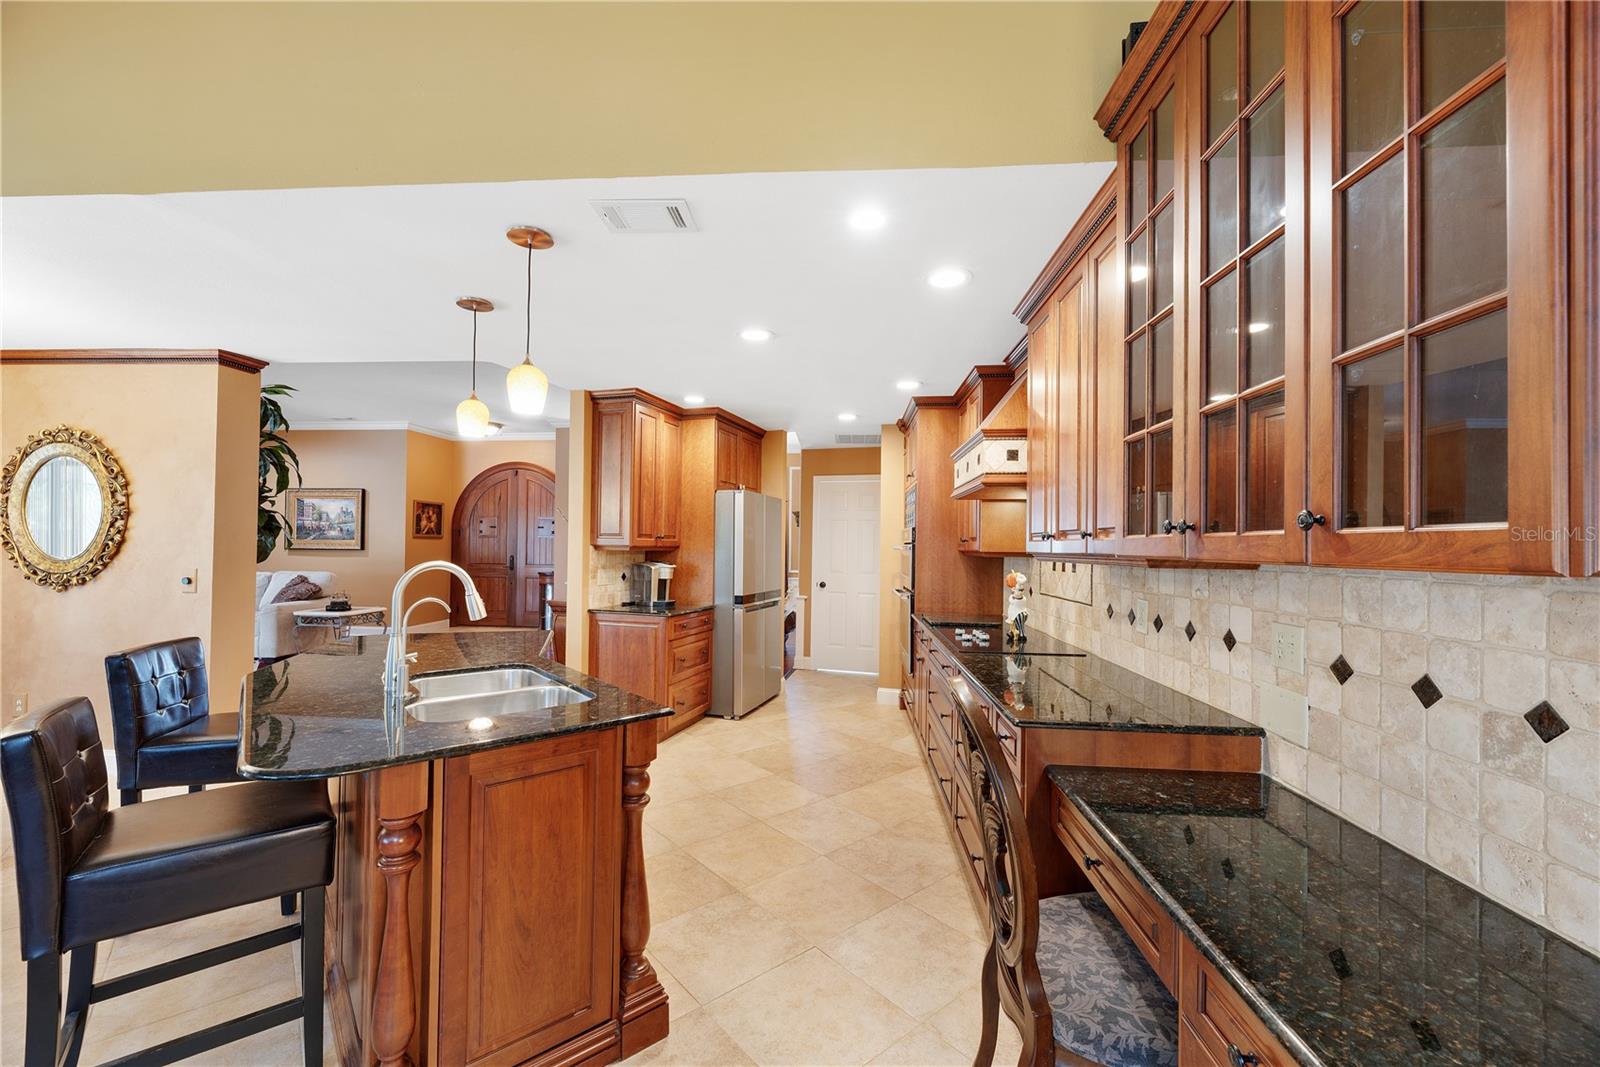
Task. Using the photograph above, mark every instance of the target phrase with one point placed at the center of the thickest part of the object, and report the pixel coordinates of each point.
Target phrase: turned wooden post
(644, 1001)
(402, 798)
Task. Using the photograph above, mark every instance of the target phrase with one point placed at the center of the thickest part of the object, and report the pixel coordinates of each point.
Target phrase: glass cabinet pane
(1160, 480)
(1460, 40)
(1161, 371)
(1464, 458)
(1463, 204)
(1264, 325)
(1264, 461)
(1162, 263)
(1371, 53)
(1222, 74)
(1164, 138)
(1373, 254)
(1372, 431)
(1138, 384)
(1139, 177)
(1135, 505)
(1222, 474)
(1264, 163)
(1138, 281)
(1222, 205)
(1264, 50)
(1222, 338)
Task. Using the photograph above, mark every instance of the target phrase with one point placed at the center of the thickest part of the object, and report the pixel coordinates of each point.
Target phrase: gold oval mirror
(65, 504)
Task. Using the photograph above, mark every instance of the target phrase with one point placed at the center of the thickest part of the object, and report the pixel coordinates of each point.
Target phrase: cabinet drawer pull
(1090, 863)
(943, 780)
(1241, 1059)
(1006, 738)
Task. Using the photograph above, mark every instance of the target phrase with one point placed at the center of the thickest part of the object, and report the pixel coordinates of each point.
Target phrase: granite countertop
(640, 609)
(1078, 691)
(320, 714)
(1352, 951)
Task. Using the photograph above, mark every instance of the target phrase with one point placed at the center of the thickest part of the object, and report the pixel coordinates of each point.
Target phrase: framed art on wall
(427, 519)
(327, 519)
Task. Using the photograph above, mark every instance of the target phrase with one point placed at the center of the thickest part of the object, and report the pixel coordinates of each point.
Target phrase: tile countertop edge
(1242, 985)
(1245, 729)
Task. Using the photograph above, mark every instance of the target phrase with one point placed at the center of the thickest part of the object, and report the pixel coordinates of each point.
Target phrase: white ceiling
(350, 277)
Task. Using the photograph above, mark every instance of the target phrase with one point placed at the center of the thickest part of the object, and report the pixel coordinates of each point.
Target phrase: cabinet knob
(1241, 1059)
(1305, 520)
(1090, 862)
(1087, 535)
(1181, 526)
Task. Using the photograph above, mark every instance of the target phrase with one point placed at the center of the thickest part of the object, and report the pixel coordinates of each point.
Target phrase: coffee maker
(650, 585)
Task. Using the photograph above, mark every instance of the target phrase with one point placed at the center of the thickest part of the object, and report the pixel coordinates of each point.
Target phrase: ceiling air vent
(857, 439)
(645, 216)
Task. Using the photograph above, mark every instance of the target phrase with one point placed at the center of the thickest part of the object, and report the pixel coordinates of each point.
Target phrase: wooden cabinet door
(1437, 362)
(1101, 390)
(611, 507)
(1242, 157)
(1074, 330)
(1042, 338)
(668, 474)
(1151, 376)
(529, 944)
(629, 651)
(647, 446)
(727, 457)
(748, 451)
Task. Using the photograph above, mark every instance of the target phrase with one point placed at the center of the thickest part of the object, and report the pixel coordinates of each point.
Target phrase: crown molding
(86, 356)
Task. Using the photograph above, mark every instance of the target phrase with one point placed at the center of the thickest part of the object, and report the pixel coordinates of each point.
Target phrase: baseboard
(888, 696)
(803, 663)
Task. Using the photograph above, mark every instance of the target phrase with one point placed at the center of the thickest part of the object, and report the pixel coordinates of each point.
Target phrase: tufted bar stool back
(161, 719)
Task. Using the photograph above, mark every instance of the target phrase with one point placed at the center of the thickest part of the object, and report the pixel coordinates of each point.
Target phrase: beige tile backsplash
(1466, 783)
(608, 577)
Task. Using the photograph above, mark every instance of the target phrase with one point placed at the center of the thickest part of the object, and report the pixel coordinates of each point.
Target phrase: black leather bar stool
(161, 720)
(86, 874)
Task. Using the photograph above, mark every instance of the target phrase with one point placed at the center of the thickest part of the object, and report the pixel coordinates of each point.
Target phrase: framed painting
(322, 520)
(427, 519)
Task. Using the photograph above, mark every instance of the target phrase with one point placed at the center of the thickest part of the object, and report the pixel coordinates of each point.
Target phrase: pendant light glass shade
(472, 417)
(527, 387)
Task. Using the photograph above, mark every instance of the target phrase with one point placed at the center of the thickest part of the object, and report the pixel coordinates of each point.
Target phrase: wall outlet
(189, 582)
(1141, 616)
(1289, 647)
(1285, 713)
(19, 707)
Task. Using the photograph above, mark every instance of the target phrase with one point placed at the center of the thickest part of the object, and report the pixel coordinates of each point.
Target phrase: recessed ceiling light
(907, 385)
(694, 398)
(756, 334)
(1259, 327)
(847, 416)
(1138, 272)
(867, 219)
(949, 277)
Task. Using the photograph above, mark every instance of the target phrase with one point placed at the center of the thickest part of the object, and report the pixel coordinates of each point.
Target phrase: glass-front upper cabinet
(1437, 354)
(1245, 154)
(1152, 458)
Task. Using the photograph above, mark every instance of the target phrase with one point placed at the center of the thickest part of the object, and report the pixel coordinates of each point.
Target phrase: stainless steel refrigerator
(747, 651)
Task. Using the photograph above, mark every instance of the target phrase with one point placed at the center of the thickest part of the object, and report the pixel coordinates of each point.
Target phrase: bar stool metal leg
(80, 990)
(43, 1036)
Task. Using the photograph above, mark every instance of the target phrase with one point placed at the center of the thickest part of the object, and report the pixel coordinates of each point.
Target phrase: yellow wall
(891, 503)
(814, 463)
(431, 474)
(185, 435)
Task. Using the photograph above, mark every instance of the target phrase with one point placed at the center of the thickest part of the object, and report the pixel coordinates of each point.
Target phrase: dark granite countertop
(1038, 643)
(1352, 951)
(320, 714)
(640, 609)
(1078, 691)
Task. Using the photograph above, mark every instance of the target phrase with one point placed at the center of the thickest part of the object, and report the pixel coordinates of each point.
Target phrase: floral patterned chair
(1063, 968)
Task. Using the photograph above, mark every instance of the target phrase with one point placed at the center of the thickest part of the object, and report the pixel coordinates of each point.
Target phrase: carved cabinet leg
(644, 1001)
(402, 799)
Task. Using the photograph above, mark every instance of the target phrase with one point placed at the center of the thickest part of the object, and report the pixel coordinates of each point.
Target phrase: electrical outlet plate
(1286, 714)
(1289, 647)
(1141, 616)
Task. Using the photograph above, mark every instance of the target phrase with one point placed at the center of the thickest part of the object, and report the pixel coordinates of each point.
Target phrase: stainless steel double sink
(488, 693)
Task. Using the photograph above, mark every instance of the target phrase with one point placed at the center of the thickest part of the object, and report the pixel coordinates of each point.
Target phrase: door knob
(822, 585)
(1305, 520)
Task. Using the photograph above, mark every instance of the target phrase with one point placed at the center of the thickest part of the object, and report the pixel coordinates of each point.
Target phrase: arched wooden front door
(504, 535)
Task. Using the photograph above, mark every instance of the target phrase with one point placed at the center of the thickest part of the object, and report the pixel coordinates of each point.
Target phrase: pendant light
(526, 385)
(472, 414)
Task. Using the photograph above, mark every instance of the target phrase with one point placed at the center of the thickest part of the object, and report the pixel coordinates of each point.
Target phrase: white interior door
(844, 578)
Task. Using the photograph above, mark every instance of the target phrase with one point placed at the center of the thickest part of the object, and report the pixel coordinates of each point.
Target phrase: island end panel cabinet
(1356, 315)
(637, 455)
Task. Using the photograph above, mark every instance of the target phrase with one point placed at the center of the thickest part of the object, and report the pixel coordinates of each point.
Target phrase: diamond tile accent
(1189, 630)
(1157, 623)
(1341, 669)
(1426, 691)
(1110, 611)
(1131, 616)
(1546, 722)
(1229, 640)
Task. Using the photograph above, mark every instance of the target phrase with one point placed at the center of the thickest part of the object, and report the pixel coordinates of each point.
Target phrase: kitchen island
(489, 901)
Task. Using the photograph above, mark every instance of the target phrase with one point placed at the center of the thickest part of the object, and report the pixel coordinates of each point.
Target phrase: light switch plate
(1285, 713)
(189, 582)
(1141, 616)
(1289, 647)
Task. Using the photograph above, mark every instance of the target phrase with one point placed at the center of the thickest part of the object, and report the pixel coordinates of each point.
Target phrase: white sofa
(276, 633)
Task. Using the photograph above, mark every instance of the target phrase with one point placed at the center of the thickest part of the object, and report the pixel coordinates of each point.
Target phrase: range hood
(992, 464)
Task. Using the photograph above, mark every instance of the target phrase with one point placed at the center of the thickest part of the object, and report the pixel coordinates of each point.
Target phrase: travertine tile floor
(807, 903)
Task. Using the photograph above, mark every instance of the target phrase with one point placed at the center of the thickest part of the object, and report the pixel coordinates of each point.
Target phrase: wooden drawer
(1216, 1020)
(942, 713)
(1148, 924)
(689, 655)
(943, 773)
(967, 832)
(684, 625)
(691, 695)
